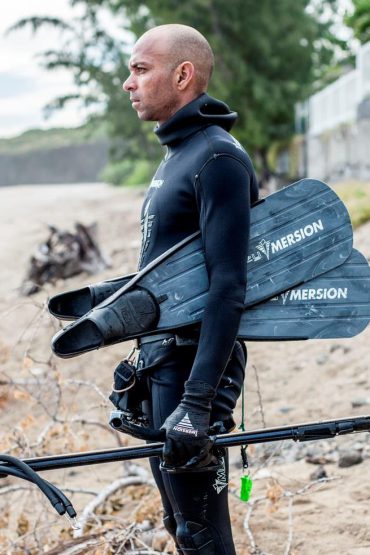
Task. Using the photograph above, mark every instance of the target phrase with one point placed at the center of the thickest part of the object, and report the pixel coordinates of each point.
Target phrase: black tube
(32, 476)
(301, 432)
(57, 498)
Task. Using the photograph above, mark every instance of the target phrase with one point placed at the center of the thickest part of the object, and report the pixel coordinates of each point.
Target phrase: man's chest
(170, 197)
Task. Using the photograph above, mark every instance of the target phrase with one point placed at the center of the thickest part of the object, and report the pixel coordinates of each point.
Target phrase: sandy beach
(51, 406)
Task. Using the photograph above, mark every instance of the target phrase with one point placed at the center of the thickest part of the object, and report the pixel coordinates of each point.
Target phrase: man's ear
(184, 75)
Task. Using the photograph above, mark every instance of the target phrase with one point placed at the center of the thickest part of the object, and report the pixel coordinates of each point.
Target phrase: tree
(98, 62)
(359, 20)
(268, 54)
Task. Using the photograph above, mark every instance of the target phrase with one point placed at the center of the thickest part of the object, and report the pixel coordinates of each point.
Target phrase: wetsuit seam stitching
(208, 140)
(225, 155)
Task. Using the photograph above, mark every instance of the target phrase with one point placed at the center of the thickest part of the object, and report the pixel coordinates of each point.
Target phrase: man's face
(151, 83)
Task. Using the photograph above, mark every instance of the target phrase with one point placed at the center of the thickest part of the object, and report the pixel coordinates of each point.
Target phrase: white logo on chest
(156, 183)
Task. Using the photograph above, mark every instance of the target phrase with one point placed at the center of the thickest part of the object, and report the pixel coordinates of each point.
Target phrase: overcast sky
(25, 87)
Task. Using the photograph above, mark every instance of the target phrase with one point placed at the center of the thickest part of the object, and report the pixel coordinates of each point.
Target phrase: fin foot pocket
(72, 304)
(84, 337)
(133, 313)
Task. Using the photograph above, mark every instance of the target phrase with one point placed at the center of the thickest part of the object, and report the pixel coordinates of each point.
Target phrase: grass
(40, 139)
(356, 197)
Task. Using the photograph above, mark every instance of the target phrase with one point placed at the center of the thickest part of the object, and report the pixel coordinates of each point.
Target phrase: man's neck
(184, 100)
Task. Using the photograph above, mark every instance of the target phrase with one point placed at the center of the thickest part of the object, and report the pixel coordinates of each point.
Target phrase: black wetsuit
(205, 181)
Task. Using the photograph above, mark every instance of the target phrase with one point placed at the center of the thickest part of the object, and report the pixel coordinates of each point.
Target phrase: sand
(298, 382)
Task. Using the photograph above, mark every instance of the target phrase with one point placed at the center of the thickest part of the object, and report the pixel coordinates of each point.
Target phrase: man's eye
(140, 69)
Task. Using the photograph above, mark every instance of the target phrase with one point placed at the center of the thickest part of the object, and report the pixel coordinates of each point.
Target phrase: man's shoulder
(221, 142)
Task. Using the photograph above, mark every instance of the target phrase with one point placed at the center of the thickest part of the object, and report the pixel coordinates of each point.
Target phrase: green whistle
(245, 488)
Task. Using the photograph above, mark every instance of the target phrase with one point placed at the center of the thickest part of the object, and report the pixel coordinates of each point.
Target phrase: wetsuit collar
(201, 112)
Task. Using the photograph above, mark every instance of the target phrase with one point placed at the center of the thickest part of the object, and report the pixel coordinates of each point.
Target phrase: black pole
(301, 432)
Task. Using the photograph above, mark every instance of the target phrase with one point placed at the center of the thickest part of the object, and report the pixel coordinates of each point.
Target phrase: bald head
(179, 43)
(170, 66)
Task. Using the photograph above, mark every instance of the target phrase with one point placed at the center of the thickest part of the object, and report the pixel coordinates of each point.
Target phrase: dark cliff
(63, 164)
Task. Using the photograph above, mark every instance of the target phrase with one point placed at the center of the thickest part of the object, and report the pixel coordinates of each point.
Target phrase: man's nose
(129, 84)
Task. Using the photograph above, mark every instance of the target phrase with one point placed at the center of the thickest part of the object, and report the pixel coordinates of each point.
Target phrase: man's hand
(188, 445)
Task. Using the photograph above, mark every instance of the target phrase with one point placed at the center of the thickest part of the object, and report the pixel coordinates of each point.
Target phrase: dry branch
(121, 483)
(255, 550)
(63, 255)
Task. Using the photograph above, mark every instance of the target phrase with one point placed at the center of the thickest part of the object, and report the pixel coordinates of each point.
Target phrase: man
(205, 181)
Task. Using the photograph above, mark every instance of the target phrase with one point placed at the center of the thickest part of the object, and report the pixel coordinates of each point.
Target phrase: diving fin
(303, 229)
(333, 305)
(71, 305)
(296, 234)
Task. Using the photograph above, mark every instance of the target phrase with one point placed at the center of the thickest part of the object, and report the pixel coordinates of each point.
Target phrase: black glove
(188, 445)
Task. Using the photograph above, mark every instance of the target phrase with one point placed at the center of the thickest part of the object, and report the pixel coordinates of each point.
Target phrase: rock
(35, 371)
(320, 459)
(323, 359)
(318, 474)
(361, 402)
(343, 348)
(285, 410)
(145, 526)
(147, 538)
(358, 445)
(292, 453)
(262, 473)
(321, 452)
(160, 541)
(349, 458)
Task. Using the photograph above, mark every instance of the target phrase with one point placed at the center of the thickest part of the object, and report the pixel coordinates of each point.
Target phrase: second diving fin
(334, 305)
(296, 234)
(71, 305)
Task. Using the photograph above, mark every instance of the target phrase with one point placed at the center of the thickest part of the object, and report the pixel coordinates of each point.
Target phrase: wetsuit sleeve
(223, 197)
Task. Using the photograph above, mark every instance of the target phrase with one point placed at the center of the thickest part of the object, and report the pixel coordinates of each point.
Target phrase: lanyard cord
(242, 423)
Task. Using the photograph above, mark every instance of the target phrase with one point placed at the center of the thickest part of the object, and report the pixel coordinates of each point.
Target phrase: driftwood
(62, 255)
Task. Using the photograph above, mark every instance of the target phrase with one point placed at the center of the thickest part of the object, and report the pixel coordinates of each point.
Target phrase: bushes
(356, 197)
(129, 172)
(116, 173)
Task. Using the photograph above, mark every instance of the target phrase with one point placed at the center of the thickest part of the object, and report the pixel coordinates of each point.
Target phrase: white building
(338, 133)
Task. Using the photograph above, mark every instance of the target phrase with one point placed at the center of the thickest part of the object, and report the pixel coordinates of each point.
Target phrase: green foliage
(268, 54)
(141, 174)
(359, 20)
(117, 173)
(98, 63)
(356, 197)
(39, 139)
(129, 172)
(292, 147)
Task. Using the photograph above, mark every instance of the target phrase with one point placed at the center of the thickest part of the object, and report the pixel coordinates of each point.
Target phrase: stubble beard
(157, 110)
(169, 108)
